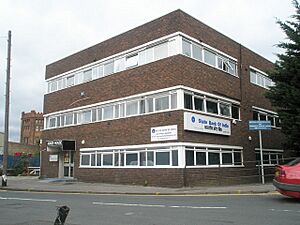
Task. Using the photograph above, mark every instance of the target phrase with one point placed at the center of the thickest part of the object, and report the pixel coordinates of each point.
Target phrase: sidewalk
(68, 186)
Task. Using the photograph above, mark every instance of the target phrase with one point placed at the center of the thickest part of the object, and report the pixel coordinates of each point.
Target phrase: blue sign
(259, 125)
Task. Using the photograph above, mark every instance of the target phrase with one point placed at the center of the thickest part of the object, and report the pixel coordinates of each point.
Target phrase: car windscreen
(293, 162)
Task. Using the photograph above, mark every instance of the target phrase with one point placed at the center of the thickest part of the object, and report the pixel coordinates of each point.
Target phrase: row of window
(148, 54)
(203, 54)
(142, 105)
(127, 158)
(261, 115)
(270, 158)
(203, 103)
(132, 107)
(213, 156)
(260, 79)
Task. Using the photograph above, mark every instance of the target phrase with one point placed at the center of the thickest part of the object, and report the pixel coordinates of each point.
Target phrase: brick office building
(31, 127)
(166, 103)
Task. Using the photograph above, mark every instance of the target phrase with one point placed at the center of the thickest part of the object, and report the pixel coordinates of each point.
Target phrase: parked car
(287, 178)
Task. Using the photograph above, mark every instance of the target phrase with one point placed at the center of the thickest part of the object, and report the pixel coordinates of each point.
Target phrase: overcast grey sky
(46, 31)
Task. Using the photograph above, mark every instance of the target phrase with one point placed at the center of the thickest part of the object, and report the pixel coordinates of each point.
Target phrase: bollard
(4, 180)
(62, 213)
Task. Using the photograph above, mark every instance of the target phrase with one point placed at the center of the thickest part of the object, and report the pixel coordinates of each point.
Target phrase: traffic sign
(259, 125)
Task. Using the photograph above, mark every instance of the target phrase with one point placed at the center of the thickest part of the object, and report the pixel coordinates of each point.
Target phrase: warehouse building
(164, 104)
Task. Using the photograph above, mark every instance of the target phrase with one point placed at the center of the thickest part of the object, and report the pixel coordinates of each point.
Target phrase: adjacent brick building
(31, 127)
(166, 103)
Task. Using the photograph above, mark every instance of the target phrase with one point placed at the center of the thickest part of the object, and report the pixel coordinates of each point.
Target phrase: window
(69, 119)
(175, 158)
(108, 68)
(197, 52)
(70, 81)
(150, 158)
(146, 56)
(132, 61)
(85, 160)
(213, 158)
(87, 75)
(212, 106)
(200, 158)
(131, 108)
(86, 116)
(161, 103)
(94, 115)
(270, 158)
(264, 115)
(260, 79)
(235, 112)
(131, 159)
(226, 158)
(161, 51)
(52, 122)
(173, 101)
(209, 57)
(186, 48)
(188, 101)
(163, 158)
(224, 109)
(108, 112)
(119, 65)
(252, 76)
(107, 159)
(189, 157)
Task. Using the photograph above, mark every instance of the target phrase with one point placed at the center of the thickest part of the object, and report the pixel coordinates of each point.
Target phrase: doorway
(68, 164)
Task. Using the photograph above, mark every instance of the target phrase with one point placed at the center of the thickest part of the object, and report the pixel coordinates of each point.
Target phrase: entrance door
(69, 164)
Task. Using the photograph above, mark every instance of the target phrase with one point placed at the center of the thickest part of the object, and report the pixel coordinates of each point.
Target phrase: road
(29, 208)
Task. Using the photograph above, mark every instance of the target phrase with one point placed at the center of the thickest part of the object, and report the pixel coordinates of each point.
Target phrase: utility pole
(6, 122)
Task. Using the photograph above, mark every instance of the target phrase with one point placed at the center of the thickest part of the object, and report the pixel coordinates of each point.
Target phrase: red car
(287, 178)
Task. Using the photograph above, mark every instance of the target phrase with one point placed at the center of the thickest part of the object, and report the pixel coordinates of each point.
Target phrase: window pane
(70, 81)
(212, 107)
(161, 51)
(94, 115)
(224, 109)
(107, 159)
(98, 159)
(99, 114)
(116, 159)
(252, 77)
(131, 159)
(146, 56)
(174, 101)
(108, 112)
(175, 158)
(142, 106)
(232, 68)
(86, 116)
(197, 52)
(131, 108)
(201, 158)
(149, 105)
(262, 116)
(143, 159)
(131, 61)
(150, 158)
(189, 158)
(209, 57)
(186, 47)
(119, 65)
(162, 158)
(108, 68)
(87, 75)
(162, 103)
(52, 122)
(266, 158)
(273, 159)
(226, 158)
(198, 104)
(122, 109)
(188, 101)
(255, 115)
(69, 118)
(85, 160)
(235, 112)
(237, 158)
(271, 118)
(93, 159)
(213, 158)
(117, 112)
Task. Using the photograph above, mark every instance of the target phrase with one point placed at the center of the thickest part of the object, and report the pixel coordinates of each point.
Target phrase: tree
(285, 95)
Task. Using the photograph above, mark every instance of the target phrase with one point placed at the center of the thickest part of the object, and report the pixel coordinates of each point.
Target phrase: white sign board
(206, 124)
(53, 158)
(164, 133)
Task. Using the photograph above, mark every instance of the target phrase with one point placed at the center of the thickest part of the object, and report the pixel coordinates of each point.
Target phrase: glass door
(69, 164)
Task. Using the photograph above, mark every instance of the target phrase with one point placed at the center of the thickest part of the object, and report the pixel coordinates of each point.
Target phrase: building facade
(164, 104)
(32, 124)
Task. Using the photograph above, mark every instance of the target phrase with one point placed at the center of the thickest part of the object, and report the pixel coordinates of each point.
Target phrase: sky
(46, 31)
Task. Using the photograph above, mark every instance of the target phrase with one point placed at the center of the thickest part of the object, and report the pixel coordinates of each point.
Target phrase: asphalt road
(28, 208)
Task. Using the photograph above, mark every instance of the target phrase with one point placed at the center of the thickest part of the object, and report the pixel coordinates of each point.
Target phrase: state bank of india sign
(206, 124)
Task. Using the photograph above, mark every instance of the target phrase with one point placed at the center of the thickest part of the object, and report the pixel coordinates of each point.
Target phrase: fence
(12, 161)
